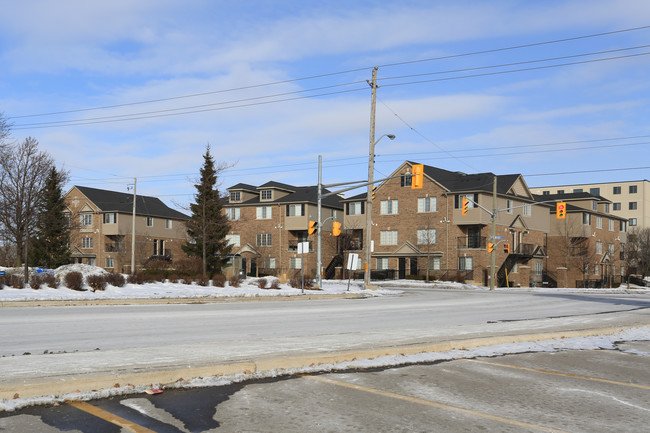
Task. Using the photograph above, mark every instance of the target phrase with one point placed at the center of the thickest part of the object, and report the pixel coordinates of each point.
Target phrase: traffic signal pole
(319, 257)
(494, 231)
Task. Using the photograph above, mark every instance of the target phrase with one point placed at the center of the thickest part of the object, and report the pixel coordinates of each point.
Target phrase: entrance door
(402, 268)
(253, 267)
(243, 267)
(414, 265)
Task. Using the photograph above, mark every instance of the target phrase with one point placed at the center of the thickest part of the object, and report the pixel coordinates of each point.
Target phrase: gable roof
(113, 201)
(296, 194)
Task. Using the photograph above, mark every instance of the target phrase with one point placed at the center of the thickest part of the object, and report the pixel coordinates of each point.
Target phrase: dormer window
(267, 194)
(235, 196)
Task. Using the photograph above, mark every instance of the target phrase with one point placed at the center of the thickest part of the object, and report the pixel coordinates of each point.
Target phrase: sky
(114, 91)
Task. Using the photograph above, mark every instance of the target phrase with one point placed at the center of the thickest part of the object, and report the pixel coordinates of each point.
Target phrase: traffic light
(490, 247)
(506, 248)
(465, 204)
(417, 179)
(312, 227)
(560, 210)
(336, 228)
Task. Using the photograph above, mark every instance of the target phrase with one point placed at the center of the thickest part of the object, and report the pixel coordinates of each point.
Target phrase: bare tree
(637, 252)
(23, 172)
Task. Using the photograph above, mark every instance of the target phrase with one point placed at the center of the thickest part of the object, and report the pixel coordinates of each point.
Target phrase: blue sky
(243, 71)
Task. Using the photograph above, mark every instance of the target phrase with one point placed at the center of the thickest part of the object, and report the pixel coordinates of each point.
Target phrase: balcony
(471, 242)
(113, 248)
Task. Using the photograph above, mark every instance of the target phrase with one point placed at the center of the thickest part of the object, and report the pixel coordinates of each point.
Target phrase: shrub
(202, 281)
(188, 266)
(16, 281)
(296, 281)
(261, 283)
(35, 281)
(219, 280)
(158, 264)
(50, 280)
(2, 281)
(74, 280)
(116, 280)
(96, 282)
(234, 281)
(274, 284)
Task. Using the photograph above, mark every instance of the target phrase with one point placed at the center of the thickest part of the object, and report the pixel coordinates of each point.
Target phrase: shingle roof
(458, 181)
(569, 196)
(297, 194)
(112, 201)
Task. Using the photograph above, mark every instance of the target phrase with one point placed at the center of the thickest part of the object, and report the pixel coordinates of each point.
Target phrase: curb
(76, 383)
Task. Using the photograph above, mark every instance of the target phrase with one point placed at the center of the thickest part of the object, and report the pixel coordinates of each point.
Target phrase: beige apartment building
(268, 222)
(101, 224)
(416, 231)
(629, 200)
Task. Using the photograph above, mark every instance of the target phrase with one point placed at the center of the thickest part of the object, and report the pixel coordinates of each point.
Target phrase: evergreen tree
(208, 225)
(50, 246)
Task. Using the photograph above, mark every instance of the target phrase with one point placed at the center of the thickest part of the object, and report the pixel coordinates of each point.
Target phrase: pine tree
(208, 225)
(50, 246)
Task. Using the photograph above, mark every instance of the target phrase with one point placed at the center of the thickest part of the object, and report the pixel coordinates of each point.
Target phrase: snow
(247, 289)
(603, 342)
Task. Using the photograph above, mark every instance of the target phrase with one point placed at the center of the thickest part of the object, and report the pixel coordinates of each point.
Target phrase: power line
(387, 65)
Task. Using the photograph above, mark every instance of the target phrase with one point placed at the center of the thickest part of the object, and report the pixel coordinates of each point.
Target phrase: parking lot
(574, 391)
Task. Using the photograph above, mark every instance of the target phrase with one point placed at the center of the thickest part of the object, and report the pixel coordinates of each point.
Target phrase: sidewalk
(131, 370)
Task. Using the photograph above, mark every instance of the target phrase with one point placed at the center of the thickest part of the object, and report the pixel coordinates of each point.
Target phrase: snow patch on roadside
(604, 342)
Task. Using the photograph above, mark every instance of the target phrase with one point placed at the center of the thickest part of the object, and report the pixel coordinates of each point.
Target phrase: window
(269, 263)
(235, 196)
(91, 261)
(617, 206)
(355, 208)
(560, 191)
(389, 207)
(86, 219)
(388, 237)
(149, 221)
(434, 264)
(546, 192)
(295, 263)
(594, 191)
(465, 263)
(539, 268)
(599, 247)
(158, 247)
(611, 225)
(596, 269)
(295, 209)
(632, 205)
(86, 243)
(632, 222)
(527, 209)
(427, 204)
(632, 189)
(264, 239)
(110, 262)
(610, 249)
(382, 263)
(622, 226)
(586, 219)
(606, 207)
(586, 268)
(599, 222)
(110, 218)
(233, 213)
(617, 190)
(458, 200)
(234, 240)
(264, 212)
(406, 179)
(577, 189)
(266, 194)
(168, 223)
(594, 205)
(427, 237)
(509, 206)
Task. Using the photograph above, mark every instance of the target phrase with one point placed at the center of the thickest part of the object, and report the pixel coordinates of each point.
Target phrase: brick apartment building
(102, 225)
(419, 229)
(586, 248)
(267, 222)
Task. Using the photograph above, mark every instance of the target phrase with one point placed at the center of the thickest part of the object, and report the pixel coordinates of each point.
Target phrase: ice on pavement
(604, 342)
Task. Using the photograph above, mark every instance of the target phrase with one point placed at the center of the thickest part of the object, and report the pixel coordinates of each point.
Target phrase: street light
(371, 171)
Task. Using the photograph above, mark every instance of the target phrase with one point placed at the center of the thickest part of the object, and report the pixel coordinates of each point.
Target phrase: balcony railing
(471, 242)
(113, 248)
(293, 246)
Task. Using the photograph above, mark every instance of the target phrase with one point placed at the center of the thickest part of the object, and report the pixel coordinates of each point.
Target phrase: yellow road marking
(107, 416)
(435, 404)
(558, 373)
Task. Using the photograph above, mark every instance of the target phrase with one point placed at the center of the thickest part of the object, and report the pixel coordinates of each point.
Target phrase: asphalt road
(40, 330)
(567, 391)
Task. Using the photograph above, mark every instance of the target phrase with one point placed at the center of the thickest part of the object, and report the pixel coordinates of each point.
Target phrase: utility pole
(319, 257)
(135, 181)
(371, 170)
(494, 232)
